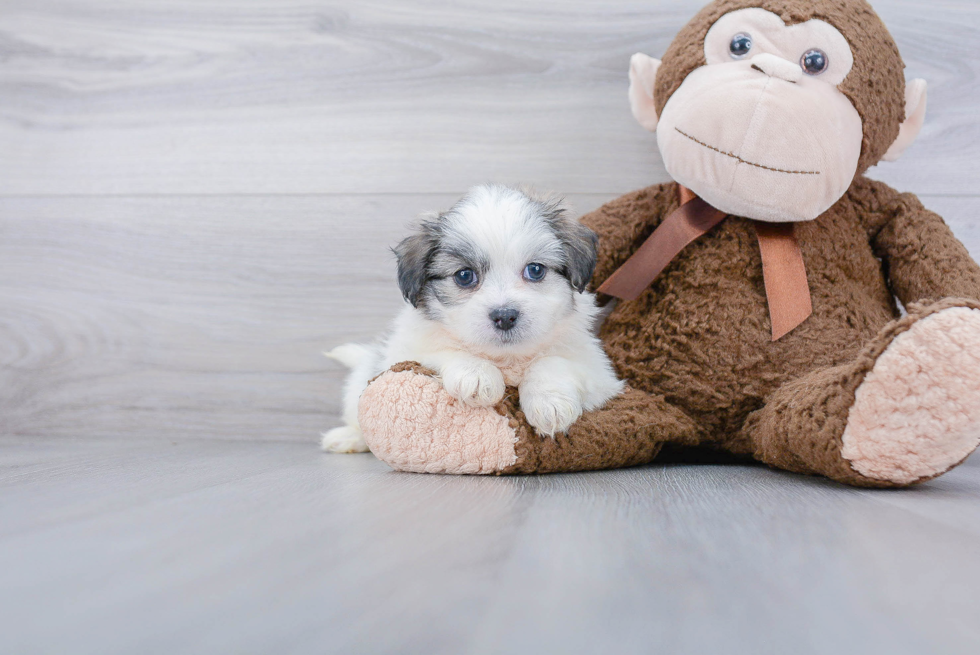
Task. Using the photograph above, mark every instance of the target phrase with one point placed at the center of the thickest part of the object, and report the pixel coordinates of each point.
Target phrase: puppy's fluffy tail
(351, 354)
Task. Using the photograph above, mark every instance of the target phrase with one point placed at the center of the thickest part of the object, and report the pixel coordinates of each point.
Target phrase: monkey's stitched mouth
(742, 161)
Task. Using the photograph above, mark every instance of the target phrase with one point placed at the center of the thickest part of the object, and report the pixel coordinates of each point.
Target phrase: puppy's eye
(741, 45)
(465, 278)
(814, 62)
(534, 272)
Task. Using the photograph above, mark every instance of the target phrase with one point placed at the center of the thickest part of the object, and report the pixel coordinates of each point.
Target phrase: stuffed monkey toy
(756, 312)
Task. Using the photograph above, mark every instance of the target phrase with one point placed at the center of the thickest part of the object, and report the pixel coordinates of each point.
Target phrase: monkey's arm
(922, 258)
(624, 223)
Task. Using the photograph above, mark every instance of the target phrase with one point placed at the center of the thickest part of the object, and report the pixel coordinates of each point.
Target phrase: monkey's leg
(412, 424)
(905, 411)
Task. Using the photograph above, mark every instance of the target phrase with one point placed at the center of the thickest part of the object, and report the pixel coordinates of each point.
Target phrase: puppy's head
(499, 270)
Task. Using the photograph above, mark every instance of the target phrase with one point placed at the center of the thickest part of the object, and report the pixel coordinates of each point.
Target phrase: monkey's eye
(740, 45)
(814, 62)
(534, 272)
(465, 278)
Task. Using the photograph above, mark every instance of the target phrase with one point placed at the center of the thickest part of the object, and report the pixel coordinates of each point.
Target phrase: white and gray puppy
(496, 293)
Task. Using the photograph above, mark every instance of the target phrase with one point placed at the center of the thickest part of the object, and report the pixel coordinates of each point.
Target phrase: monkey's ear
(643, 76)
(915, 115)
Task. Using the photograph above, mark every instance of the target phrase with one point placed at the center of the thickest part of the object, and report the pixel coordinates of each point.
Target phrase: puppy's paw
(476, 382)
(549, 411)
(343, 440)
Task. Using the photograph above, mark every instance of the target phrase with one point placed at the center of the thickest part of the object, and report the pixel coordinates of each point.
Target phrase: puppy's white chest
(514, 370)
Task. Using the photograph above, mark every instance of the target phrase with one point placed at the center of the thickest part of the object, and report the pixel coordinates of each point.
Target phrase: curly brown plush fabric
(699, 334)
(875, 85)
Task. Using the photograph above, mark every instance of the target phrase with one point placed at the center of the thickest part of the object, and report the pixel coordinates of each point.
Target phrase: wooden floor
(196, 199)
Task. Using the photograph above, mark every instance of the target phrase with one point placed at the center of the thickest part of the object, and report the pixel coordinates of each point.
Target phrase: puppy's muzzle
(504, 318)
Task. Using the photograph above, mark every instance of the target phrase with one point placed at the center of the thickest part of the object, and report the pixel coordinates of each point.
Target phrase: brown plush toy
(758, 318)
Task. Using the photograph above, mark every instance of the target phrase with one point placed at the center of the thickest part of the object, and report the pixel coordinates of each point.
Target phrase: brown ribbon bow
(783, 269)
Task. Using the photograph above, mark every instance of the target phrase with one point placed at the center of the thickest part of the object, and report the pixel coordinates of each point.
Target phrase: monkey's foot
(917, 413)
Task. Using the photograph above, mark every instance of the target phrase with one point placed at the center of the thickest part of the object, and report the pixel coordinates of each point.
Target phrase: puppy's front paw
(549, 411)
(477, 383)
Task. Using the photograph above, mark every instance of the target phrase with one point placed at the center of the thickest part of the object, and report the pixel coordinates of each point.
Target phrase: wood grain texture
(198, 547)
(154, 96)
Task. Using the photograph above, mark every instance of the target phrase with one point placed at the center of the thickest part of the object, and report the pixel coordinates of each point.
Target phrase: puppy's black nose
(504, 318)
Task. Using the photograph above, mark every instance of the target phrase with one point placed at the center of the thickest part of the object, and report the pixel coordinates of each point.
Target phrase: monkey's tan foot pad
(412, 424)
(917, 413)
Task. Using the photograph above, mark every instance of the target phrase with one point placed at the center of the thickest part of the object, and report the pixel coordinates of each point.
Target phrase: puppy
(496, 293)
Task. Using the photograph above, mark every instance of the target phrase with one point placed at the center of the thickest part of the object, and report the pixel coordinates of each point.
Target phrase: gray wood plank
(951, 500)
(204, 317)
(282, 549)
(158, 96)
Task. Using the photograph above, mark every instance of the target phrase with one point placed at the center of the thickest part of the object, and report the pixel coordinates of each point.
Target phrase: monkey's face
(764, 109)
(762, 130)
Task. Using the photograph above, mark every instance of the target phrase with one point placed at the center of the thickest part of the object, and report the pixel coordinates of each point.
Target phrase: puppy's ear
(414, 255)
(580, 245)
(578, 242)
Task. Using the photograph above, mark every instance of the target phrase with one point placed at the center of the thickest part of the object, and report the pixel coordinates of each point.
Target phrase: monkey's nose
(504, 318)
(777, 67)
